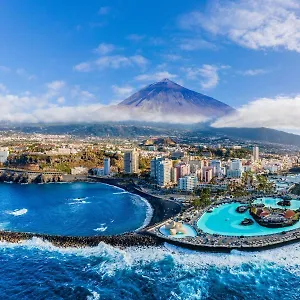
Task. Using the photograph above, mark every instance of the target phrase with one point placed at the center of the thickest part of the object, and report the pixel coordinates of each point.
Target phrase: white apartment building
(4, 153)
(188, 183)
(162, 170)
(236, 169)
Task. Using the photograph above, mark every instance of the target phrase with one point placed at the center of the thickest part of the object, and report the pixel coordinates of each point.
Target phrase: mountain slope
(168, 97)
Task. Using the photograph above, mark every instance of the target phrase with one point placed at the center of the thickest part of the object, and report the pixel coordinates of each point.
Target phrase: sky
(64, 60)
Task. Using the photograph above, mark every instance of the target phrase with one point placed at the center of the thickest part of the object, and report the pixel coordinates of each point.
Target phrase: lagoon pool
(272, 202)
(224, 220)
(190, 232)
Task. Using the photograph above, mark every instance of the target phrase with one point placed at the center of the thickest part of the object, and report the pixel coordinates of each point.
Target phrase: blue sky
(84, 53)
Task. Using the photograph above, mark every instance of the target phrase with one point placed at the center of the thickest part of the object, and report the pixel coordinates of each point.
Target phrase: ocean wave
(102, 228)
(119, 193)
(165, 272)
(285, 256)
(78, 202)
(149, 213)
(18, 212)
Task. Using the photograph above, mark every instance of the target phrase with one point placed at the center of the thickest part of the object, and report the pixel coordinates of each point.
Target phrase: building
(195, 165)
(79, 171)
(255, 154)
(188, 183)
(183, 169)
(162, 171)
(131, 161)
(236, 169)
(207, 174)
(4, 153)
(106, 166)
(154, 166)
(217, 167)
(98, 171)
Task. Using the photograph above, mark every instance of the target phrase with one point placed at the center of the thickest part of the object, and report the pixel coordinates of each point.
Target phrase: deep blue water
(37, 270)
(70, 209)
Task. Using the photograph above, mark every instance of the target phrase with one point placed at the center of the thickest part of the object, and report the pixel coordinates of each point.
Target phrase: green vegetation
(203, 200)
(226, 153)
(63, 167)
(237, 190)
(263, 185)
(144, 163)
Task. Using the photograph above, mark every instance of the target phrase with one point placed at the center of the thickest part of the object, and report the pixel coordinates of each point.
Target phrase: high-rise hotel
(131, 161)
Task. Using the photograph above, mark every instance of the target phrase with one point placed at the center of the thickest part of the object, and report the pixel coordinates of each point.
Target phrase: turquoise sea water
(70, 209)
(224, 220)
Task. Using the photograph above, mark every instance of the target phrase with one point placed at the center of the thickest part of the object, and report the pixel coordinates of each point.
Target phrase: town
(160, 164)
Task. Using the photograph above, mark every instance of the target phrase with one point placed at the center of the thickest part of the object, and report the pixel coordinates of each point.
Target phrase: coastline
(161, 210)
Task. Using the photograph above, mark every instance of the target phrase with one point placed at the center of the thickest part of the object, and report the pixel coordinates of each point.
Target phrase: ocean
(38, 270)
(35, 269)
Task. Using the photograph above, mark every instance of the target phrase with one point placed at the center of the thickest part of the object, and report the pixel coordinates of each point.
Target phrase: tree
(203, 200)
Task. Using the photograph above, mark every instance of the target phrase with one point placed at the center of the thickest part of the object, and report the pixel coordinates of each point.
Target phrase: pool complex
(224, 220)
(190, 231)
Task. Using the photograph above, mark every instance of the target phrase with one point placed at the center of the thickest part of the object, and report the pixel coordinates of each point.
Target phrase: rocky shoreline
(121, 241)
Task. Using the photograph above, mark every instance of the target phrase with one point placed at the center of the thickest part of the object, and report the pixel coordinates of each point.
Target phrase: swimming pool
(190, 231)
(224, 220)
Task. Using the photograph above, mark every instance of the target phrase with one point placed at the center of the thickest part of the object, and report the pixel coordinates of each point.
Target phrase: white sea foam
(78, 202)
(287, 257)
(80, 198)
(149, 213)
(18, 212)
(102, 228)
(119, 193)
(94, 296)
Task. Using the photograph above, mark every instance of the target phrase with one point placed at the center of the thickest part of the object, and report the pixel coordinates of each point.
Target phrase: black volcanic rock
(169, 97)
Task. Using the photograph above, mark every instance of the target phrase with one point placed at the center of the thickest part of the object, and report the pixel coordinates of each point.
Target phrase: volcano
(168, 97)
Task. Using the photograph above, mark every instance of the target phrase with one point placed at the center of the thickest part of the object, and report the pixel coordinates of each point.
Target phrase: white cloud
(56, 85)
(253, 72)
(81, 95)
(61, 100)
(155, 76)
(119, 61)
(3, 88)
(254, 24)
(207, 75)
(37, 109)
(279, 113)
(83, 67)
(195, 44)
(122, 91)
(104, 10)
(105, 48)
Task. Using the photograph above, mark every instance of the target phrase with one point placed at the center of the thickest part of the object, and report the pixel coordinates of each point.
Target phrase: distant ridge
(168, 97)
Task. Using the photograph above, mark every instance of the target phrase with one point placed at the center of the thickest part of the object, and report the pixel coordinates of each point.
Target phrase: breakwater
(121, 241)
